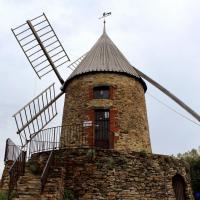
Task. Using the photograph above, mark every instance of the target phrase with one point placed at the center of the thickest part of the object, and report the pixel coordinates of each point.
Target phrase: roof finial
(105, 14)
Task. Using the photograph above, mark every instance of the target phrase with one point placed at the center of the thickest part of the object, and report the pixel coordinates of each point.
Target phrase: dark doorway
(179, 187)
(102, 129)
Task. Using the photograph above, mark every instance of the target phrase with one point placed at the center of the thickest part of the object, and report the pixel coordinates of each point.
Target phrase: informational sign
(87, 123)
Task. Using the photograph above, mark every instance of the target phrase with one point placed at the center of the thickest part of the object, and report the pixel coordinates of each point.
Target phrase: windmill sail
(169, 94)
(74, 64)
(35, 115)
(41, 46)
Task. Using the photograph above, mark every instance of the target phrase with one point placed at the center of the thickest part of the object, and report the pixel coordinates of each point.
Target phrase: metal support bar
(36, 18)
(34, 52)
(23, 50)
(51, 44)
(28, 43)
(22, 31)
(44, 175)
(19, 26)
(43, 68)
(56, 37)
(32, 47)
(44, 33)
(42, 28)
(34, 99)
(39, 23)
(48, 38)
(62, 63)
(59, 59)
(53, 48)
(37, 58)
(169, 94)
(45, 52)
(73, 64)
(25, 37)
(40, 63)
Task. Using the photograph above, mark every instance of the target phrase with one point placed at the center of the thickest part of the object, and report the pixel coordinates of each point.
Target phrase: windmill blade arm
(41, 46)
(39, 113)
(74, 64)
(45, 51)
(169, 94)
(35, 115)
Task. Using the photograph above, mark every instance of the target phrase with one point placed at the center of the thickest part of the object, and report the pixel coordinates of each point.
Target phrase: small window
(101, 92)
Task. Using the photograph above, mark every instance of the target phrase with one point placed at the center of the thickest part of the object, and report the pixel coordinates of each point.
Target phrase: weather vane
(105, 14)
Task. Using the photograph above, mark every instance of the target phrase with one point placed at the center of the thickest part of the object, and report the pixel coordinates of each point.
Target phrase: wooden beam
(169, 94)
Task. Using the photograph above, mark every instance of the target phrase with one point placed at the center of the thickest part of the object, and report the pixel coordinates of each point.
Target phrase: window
(101, 92)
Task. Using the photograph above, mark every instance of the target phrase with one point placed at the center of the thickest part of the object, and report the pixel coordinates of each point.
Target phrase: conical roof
(104, 56)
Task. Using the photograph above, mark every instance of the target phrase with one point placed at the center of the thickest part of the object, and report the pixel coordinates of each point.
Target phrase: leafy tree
(193, 158)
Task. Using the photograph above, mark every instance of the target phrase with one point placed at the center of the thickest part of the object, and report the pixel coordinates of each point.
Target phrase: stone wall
(128, 117)
(4, 182)
(111, 175)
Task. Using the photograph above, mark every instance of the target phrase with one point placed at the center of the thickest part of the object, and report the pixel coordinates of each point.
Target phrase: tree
(193, 158)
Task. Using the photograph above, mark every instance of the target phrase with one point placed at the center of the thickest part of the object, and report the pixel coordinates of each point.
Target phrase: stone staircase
(54, 188)
(28, 186)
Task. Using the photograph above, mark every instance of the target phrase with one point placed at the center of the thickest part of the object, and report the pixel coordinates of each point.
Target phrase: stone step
(29, 191)
(24, 197)
(28, 194)
(31, 181)
(29, 186)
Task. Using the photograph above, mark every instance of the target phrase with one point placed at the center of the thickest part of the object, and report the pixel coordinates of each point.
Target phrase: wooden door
(102, 129)
(179, 187)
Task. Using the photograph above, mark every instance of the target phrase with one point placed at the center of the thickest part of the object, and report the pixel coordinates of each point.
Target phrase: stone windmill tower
(102, 149)
(106, 91)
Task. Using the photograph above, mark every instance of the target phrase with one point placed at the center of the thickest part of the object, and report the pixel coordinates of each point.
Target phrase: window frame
(100, 88)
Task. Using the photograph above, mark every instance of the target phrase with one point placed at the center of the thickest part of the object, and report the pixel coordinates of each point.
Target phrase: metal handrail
(50, 139)
(61, 137)
(46, 169)
(58, 138)
(17, 169)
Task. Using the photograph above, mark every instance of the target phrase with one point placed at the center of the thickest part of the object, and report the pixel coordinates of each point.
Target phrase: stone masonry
(112, 175)
(128, 116)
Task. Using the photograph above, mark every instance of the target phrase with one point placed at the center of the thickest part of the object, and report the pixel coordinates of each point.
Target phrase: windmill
(104, 63)
(45, 53)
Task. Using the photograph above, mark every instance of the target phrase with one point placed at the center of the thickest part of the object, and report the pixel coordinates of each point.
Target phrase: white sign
(87, 123)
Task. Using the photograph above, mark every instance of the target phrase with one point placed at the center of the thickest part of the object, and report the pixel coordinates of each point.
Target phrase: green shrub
(3, 195)
(68, 195)
(99, 164)
(91, 154)
(121, 161)
(143, 153)
(110, 163)
(34, 167)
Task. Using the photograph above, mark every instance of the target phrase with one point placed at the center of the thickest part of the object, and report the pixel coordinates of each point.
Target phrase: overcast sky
(159, 37)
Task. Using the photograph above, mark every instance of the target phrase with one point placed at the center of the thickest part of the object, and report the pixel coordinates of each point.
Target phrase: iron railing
(45, 172)
(16, 155)
(58, 138)
(50, 139)
(17, 170)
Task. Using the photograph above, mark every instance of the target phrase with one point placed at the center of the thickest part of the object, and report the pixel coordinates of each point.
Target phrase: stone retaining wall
(111, 175)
